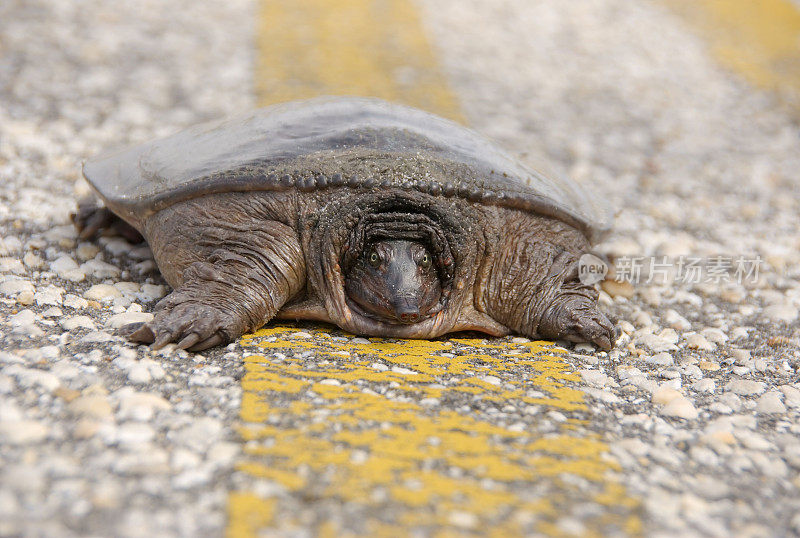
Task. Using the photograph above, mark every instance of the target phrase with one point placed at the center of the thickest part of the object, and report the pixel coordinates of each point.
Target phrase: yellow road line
(372, 48)
(758, 39)
(388, 429)
(382, 436)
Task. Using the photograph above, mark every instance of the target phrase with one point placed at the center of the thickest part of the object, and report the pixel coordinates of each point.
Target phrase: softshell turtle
(379, 218)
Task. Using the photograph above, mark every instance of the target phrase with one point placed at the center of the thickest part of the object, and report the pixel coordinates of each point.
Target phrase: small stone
(31, 377)
(134, 433)
(33, 261)
(676, 321)
(708, 366)
(698, 341)
(731, 400)
(66, 268)
(77, 322)
(92, 405)
(660, 359)
(664, 395)
(85, 428)
(139, 405)
(49, 295)
(745, 387)
(770, 402)
(127, 288)
(791, 395)
(781, 312)
(120, 320)
(11, 265)
(752, 440)
(66, 394)
(715, 335)
(680, 407)
(99, 269)
(151, 292)
(9, 245)
(656, 343)
(96, 337)
(704, 385)
(740, 355)
(102, 292)
(25, 298)
(52, 312)
(13, 287)
(21, 318)
(22, 432)
(75, 302)
(87, 251)
(139, 373)
(617, 288)
(594, 377)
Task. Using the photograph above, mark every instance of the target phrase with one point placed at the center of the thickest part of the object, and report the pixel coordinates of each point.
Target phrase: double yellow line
(381, 432)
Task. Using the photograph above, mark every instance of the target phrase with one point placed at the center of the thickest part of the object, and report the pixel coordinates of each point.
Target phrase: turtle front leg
(534, 289)
(235, 290)
(573, 315)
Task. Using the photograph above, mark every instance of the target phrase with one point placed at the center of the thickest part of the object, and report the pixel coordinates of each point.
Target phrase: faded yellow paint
(388, 433)
(376, 48)
(758, 39)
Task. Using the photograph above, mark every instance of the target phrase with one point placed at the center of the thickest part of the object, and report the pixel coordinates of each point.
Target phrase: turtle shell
(328, 142)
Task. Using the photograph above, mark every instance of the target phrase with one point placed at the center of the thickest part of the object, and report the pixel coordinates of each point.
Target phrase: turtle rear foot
(92, 220)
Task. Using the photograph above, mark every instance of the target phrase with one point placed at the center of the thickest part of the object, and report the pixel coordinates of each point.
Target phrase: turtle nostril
(409, 317)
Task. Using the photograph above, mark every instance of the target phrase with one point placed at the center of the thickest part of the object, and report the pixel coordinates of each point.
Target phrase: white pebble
(594, 377)
(33, 261)
(781, 312)
(698, 341)
(22, 432)
(125, 318)
(770, 402)
(50, 295)
(22, 318)
(704, 385)
(745, 387)
(87, 251)
(151, 292)
(66, 268)
(680, 407)
(100, 269)
(11, 265)
(77, 322)
(102, 292)
(139, 373)
(14, 286)
(75, 302)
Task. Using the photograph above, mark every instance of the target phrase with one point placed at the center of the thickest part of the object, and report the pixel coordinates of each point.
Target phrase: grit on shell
(699, 402)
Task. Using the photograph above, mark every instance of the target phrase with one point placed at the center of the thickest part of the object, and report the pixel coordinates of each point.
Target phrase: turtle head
(395, 281)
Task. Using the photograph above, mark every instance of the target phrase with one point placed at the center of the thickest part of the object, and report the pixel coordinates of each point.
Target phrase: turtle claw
(215, 340)
(576, 318)
(138, 332)
(188, 341)
(189, 324)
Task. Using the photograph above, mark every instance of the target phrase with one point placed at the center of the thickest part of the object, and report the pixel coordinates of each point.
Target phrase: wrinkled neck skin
(338, 233)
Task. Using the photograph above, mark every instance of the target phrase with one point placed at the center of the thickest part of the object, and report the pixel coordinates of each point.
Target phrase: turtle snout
(406, 310)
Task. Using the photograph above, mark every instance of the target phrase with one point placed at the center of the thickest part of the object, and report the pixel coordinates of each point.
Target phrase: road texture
(688, 427)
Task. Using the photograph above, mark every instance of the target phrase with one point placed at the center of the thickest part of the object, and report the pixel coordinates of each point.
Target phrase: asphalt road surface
(689, 427)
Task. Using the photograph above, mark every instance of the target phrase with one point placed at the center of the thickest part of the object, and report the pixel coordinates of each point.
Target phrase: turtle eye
(425, 262)
(374, 259)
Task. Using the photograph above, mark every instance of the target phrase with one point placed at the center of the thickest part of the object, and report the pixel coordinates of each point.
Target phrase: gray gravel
(699, 402)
